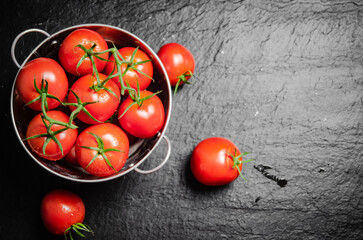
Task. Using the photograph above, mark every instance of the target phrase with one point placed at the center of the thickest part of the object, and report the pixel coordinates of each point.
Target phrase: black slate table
(281, 79)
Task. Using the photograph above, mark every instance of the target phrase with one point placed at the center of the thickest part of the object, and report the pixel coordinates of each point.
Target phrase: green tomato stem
(237, 162)
(77, 228)
(183, 79)
(100, 149)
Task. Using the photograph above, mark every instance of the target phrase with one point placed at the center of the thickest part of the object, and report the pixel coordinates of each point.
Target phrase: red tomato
(60, 210)
(132, 75)
(212, 163)
(113, 143)
(69, 55)
(71, 156)
(177, 61)
(106, 102)
(144, 121)
(66, 138)
(40, 68)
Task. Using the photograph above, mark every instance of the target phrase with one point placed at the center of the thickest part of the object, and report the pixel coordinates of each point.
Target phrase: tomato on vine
(63, 212)
(142, 114)
(102, 149)
(178, 62)
(100, 99)
(136, 68)
(51, 136)
(217, 161)
(42, 80)
(77, 52)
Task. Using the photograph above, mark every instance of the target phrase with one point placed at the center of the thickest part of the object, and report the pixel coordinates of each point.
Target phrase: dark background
(281, 79)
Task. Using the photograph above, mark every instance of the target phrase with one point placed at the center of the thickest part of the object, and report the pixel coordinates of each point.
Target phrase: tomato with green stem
(142, 114)
(63, 212)
(178, 62)
(77, 52)
(50, 136)
(216, 161)
(42, 80)
(100, 98)
(102, 149)
(136, 67)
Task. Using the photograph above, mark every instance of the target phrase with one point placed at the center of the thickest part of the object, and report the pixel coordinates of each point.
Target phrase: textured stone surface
(282, 80)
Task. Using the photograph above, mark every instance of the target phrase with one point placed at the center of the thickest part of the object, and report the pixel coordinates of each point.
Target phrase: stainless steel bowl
(140, 150)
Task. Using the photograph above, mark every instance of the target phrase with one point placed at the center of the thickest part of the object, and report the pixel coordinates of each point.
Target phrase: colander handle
(162, 163)
(17, 39)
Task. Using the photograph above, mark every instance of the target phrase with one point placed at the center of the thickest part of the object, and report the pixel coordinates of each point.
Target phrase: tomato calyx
(50, 135)
(184, 78)
(237, 162)
(100, 149)
(89, 53)
(101, 86)
(135, 97)
(77, 227)
(131, 64)
(43, 94)
(80, 106)
(119, 74)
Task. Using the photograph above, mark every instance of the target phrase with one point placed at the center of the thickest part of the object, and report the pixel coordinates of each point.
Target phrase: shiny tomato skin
(113, 137)
(60, 209)
(177, 60)
(211, 164)
(69, 55)
(71, 157)
(145, 121)
(67, 138)
(106, 103)
(40, 68)
(132, 76)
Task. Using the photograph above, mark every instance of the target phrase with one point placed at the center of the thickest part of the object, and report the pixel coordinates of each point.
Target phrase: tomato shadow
(180, 88)
(192, 183)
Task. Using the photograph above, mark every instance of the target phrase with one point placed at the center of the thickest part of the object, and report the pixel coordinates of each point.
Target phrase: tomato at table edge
(211, 164)
(132, 76)
(145, 121)
(60, 209)
(69, 55)
(84, 156)
(177, 60)
(67, 138)
(102, 110)
(39, 68)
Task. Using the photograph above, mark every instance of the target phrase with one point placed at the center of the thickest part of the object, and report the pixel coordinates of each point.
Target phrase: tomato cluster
(76, 119)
